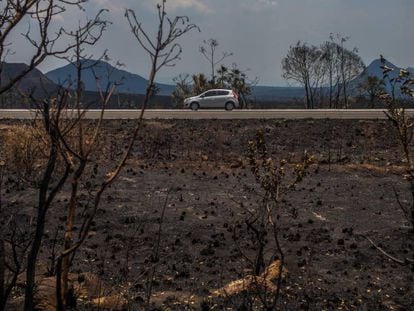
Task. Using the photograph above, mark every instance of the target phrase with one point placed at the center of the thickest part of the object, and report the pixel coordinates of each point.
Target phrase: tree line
(326, 72)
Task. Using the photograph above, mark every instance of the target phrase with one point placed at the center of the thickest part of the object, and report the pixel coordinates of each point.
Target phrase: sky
(257, 32)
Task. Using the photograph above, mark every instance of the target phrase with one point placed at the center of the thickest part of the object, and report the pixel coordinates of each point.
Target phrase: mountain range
(136, 84)
(130, 83)
(97, 74)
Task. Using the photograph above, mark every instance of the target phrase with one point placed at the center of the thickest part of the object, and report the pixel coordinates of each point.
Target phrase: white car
(215, 98)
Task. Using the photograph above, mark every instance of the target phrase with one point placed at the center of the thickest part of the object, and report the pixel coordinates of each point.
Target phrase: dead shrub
(275, 178)
(403, 124)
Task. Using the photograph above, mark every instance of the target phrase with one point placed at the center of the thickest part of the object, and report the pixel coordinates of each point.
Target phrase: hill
(35, 81)
(41, 86)
(374, 69)
(129, 83)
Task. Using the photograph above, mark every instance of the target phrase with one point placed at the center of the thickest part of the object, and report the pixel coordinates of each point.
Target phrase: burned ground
(203, 167)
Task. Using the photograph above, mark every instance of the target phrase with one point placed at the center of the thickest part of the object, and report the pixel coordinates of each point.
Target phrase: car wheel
(194, 106)
(229, 106)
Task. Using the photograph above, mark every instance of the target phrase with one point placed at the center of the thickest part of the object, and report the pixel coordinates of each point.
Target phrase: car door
(220, 99)
(208, 99)
(216, 100)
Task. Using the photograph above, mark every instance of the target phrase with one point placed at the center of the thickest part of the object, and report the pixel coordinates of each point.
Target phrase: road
(356, 114)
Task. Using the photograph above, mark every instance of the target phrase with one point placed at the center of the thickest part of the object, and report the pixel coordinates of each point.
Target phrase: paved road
(356, 114)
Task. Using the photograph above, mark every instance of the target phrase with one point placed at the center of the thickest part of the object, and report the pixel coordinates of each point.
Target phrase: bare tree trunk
(312, 97)
(345, 86)
(330, 87)
(307, 96)
(66, 257)
(45, 200)
(7, 283)
(344, 81)
(282, 262)
(66, 262)
(338, 94)
(372, 100)
(243, 101)
(60, 301)
(213, 77)
(40, 225)
(2, 275)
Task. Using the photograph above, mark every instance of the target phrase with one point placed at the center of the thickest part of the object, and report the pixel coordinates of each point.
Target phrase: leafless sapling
(164, 51)
(50, 185)
(13, 248)
(76, 143)
(155, 256)
(404, 128)
(208, 50)
(58, 125)
(275, 179)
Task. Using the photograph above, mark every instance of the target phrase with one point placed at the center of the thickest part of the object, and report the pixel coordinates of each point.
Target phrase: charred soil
(199, 169)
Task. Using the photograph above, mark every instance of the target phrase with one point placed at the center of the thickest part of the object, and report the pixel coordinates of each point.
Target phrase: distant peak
(377, 63)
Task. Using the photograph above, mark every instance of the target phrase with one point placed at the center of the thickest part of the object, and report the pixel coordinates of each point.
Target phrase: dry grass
(87, 287)
(22, 150)
(370, 168)
(252, 283)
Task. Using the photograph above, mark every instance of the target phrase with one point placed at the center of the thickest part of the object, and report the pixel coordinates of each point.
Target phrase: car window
(210, 93)
(221, 93)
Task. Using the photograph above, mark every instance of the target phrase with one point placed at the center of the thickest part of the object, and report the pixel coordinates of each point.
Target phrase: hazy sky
(257, 32)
